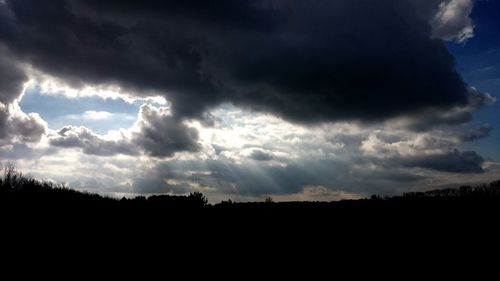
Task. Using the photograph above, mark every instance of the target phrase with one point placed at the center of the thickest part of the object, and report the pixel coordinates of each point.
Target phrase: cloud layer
(156, 133)
(307, 62)
(297, 99)
(161, 135)
(15, 125)
(247, 156)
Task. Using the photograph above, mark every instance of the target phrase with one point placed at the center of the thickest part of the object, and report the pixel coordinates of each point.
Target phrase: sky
(241, 100)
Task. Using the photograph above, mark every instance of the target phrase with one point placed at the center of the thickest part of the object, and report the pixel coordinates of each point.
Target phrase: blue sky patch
(59, 110)
(478, 60)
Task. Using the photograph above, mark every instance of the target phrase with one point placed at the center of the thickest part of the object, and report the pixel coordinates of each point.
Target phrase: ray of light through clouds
(320, 101)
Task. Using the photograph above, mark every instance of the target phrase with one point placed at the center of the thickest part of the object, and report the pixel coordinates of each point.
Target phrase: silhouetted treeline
(45, 217)
(20, 191)
(483, 190)
(45, 213)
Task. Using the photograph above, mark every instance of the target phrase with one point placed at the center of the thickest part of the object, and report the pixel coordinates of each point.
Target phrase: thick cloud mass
(157, 134)
(426, 150)
(429, 118)
(306, 61)
(455, 162)
(162, 135)
(324, 63)
(18, 126)
(477, 133)
(90, 143)
(15, 125)
(12, 78)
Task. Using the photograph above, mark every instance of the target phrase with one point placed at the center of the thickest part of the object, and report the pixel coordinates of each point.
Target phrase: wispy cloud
(96, 115)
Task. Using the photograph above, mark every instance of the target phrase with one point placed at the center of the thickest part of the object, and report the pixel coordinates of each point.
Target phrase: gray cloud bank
(307, 61)
(158, 134)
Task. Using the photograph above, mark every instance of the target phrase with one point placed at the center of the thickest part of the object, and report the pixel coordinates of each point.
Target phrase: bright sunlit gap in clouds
(242, 154)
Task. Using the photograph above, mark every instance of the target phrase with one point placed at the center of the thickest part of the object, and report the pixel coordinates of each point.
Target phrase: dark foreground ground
(40, 219)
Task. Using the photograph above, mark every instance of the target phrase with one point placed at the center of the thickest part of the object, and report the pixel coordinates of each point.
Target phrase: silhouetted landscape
(43, 214)
(245, 125)
(24, 193)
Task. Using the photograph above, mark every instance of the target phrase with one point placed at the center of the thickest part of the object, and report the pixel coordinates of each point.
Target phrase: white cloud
(406, 144)
(91, 143)
(96, 115)
(17, 126)
(452, 21)
(49, 85)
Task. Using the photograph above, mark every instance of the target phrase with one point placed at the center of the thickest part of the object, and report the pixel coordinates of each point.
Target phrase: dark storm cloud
(12, 77)
(429, 118)
(161, 135)
(477, 133)
(4, 129)
(452, 162)
(306, 61)
(455, 162)
(13, 122)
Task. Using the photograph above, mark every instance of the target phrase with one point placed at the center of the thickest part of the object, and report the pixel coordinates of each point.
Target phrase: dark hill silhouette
(42, 220)
(43, 214)
(22, 193)
(17, 189)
